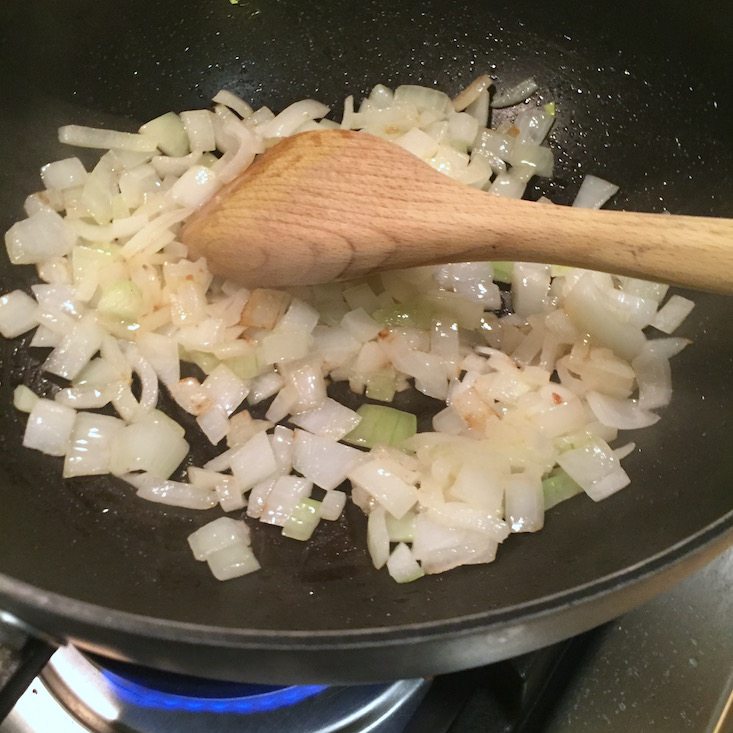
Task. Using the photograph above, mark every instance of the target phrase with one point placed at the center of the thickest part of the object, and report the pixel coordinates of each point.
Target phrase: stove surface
(667, 667)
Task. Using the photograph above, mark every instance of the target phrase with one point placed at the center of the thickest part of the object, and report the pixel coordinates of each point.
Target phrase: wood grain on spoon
(332, 205)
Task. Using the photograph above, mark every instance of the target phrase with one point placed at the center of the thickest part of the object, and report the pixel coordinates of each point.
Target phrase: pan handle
(22, 656)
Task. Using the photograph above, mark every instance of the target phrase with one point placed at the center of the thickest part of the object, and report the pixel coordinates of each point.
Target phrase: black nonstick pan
(643, 95)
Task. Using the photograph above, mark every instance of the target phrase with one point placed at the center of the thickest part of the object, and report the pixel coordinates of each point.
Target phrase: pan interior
(647, 113)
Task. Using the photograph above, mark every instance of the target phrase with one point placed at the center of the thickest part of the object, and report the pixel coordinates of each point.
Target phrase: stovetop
(668, 667)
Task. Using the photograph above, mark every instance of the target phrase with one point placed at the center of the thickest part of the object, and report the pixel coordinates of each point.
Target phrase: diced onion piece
(194, 187)
(214, 424)
(231, 100)
(90, 448)
(233, 561)
(303, 520)
(168, 134)
(49, 427)
(64, 174)
(330, 419)
(671, 315)
(514, 95)
(589, 312)
(383, 425)
(379, 479)
(217, 535)
(283, 497)
(17, 314)
(595, 468)
(469, 95)
(654, 376)
(292, 117)
(524, 502)
(24, 399)
(200, 129)
(557, 487)
(76, 348)
(258, 497)
(39, 237)
(254, 461)
(594, 192)
(402, 529)
(172, 493)
(620, 414)
(323, 461)
(162, 354)
(463, 516)
(121, 299)
(92, 137)
(332, 505)
(225, 389)
(151, 445)
(377, 537)
(361, 325)
(402, 566)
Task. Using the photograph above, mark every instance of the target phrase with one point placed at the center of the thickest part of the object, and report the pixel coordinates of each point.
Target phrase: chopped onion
(232, 561)
(49, 428)
(671, 315)
(231, 100)
(17, 314)
(380, 480)
(39, 237)
(379, 424)
(402, 566)
(150, 445)
(329, 420)
(92, 137)
(24, 399)
(323, 461)
(167, 133)
(253, 462)
(516, 94)
(510, 442)
(377, 537)
(90, 444)
(64, 174)
(173, 493)
(292, 117)
(524, 509)
(217, 535)
(332, 505)
(594, 192)
(282, 499)
(620, 414)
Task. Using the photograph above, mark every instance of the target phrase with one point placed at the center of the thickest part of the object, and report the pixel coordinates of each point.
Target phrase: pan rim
(687, 555)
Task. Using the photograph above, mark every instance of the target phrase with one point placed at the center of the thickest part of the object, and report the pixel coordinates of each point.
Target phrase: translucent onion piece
(516, 94)
(323, 461)
(92, 137)
(232, 561)
(217, 535)
(49, 428)
(90, 448)
(402, 566)
(17, 314)
(173, 493)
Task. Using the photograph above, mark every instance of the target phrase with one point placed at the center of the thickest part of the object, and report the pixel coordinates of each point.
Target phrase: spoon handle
(690, 251)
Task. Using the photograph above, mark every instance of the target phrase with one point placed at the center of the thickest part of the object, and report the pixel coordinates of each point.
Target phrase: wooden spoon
(332, 205)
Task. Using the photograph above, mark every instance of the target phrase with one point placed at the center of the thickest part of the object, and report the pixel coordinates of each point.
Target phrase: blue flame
(254, 698)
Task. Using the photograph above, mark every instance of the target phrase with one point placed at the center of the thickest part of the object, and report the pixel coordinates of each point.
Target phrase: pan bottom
(85, 694)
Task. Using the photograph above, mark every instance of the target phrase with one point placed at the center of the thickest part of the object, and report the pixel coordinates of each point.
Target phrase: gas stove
(668, 666)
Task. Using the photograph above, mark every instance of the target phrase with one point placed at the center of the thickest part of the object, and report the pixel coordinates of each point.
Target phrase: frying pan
(642, 93)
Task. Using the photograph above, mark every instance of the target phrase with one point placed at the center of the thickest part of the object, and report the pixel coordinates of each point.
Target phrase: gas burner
(76, 694)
